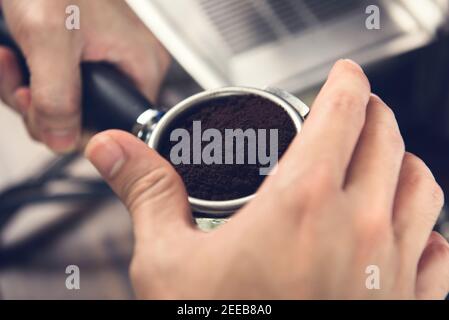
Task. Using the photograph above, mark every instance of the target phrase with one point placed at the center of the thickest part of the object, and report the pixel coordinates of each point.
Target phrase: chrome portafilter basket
(152, 127)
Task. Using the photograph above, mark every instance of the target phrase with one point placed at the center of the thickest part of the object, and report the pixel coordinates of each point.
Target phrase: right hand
(109, 32)
(345, 196)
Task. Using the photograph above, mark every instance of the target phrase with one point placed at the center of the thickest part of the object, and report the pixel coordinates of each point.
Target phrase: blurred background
(55, 211)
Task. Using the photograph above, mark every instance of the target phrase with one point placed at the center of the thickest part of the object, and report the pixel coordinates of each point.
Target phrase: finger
(22, 97)
(375, 167)
(333, 127)
(10, 77)
(23, 102)
(148, 185)
(147, 66)
(418, 203)
(433, 273)
(55, 115)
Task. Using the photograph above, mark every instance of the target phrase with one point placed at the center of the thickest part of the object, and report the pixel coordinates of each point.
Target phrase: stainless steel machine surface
(289, 44)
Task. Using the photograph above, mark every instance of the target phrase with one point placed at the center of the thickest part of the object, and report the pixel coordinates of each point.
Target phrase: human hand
(345, 196)
(109, 32)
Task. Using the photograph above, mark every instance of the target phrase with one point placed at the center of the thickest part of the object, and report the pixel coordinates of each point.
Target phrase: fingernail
(62, 140)
(106, 155)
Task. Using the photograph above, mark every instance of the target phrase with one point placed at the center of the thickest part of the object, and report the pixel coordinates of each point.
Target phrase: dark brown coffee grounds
(229, 181)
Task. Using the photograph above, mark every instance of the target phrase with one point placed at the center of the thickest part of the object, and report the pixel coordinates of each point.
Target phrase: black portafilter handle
(110, 99)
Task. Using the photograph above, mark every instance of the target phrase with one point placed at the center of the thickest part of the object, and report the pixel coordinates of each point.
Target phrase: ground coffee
(229, 181)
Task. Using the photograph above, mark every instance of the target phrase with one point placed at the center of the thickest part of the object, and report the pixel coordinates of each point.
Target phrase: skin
(109, 31)
(345, 196)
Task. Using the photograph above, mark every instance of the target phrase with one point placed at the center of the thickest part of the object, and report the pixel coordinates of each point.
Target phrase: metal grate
(328, 10)
(245, 24)
(288, 13)
(241, 26)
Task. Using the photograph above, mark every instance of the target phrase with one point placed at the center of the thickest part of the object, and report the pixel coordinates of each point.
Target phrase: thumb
(147, 184)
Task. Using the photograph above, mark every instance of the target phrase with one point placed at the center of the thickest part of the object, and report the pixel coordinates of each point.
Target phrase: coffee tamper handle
(110, 100)
(300, 106)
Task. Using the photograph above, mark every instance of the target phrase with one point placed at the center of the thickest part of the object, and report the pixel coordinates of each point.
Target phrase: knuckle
(35, 22)
(373, 226)
(371, 221)
(386, 130)
(40, 19)
(439, 250)
(437, 195)
(395, 140)
(321, 179)
(317, 184)
(413, 162)
(48, 105)
(415, 180)
(392, 138)
(419, 180)
(419, 177)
